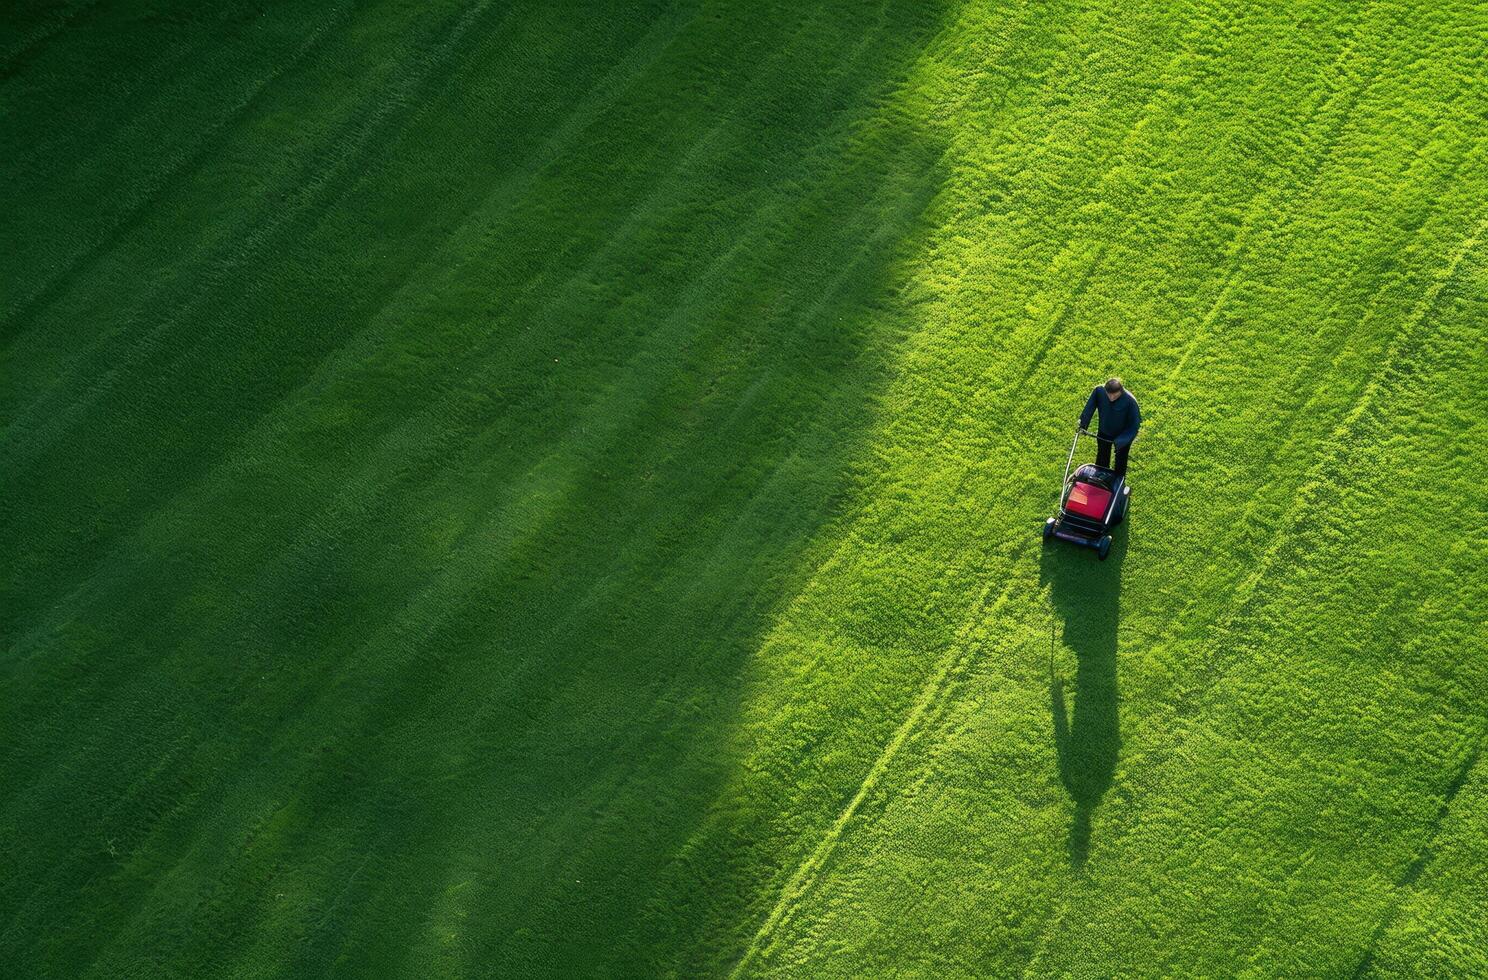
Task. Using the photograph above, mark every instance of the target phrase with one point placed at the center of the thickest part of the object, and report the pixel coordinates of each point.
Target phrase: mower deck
(1094, 500)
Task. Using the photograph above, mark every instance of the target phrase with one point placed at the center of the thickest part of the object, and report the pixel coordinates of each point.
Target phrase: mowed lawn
(553, 489)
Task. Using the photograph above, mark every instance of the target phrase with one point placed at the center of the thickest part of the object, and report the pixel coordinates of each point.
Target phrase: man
(1120, 418)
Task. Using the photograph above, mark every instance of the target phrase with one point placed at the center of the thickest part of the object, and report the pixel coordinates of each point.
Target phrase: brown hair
(1114, 386)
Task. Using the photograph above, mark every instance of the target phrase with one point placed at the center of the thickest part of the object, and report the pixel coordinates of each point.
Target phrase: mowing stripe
(329, 182)
(26, 46)
(24, 312)
(944, 679)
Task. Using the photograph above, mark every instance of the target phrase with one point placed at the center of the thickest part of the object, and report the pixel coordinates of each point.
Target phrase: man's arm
(1130, 432)
(1089, 409)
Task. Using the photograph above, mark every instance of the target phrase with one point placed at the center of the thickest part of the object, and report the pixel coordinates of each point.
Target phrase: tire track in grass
(1404, 883)
(1257, 208)
(1241, 245)
(1245, 593)
(1261, 209)
(1402, 341)
(1329, 355)
(1066, 313)
(1086, 256)
(1373, 305)
(947, 675)
(1418, 356)
(178, 168)
(1157, 431)
(1338, 439)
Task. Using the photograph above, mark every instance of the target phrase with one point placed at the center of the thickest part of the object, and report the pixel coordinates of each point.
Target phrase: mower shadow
(1086, 600)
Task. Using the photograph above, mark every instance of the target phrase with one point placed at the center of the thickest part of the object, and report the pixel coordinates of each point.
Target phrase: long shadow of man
(1086, 596)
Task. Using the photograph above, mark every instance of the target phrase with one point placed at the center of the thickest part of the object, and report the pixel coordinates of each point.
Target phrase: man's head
(1114, 388)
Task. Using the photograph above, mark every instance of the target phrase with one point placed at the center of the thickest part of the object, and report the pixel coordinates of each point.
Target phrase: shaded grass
(499, 602)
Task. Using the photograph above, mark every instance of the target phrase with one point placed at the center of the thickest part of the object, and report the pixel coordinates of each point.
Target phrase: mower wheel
(1104, 548)
(1049, 529)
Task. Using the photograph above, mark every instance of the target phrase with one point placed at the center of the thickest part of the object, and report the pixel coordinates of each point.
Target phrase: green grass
(550, 490)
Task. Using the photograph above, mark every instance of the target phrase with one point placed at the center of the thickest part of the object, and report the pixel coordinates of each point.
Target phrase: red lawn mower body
(1093, 501)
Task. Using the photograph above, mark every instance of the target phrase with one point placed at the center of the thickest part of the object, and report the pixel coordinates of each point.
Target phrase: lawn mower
(1093, 501)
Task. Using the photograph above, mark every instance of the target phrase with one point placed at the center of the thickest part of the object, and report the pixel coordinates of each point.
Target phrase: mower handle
(1070, 459)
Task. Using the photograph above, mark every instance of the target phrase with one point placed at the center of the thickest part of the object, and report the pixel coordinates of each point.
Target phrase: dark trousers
(1103, 456)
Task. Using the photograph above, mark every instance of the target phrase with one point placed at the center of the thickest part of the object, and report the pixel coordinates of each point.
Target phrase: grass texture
(553, 489)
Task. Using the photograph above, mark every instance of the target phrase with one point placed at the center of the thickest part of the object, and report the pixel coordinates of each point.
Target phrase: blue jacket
(1119, 419)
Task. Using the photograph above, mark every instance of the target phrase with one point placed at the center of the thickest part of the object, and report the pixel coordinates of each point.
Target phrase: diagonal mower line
(1241, 246)
(952, 664)
(464, 556)
(252, 441)
(563, 137)
(23, 313)
(1350, 418)
(1093, 253)
(1245, 592)
(1366, 399)
(1420, 312)
(597, 412)
(1094, 256)
(389, 109)
(820, 302)
(28, 47)
(1373, 307)
(1240, 243)
(310, 534)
